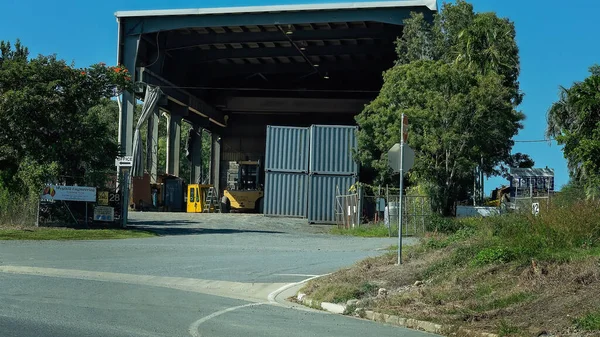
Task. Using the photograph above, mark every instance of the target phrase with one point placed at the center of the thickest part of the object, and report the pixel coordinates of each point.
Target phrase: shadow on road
(168, 231)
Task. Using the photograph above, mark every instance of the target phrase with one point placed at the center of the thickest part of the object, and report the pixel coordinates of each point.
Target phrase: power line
(535, 141)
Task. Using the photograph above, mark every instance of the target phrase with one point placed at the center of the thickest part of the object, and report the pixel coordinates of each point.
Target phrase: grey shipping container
(285, 194)
(173, 194)
(287, 149)
(322, 196)
(331, 150)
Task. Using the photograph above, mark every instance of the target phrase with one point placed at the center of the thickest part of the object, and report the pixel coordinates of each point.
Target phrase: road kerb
(397, 321)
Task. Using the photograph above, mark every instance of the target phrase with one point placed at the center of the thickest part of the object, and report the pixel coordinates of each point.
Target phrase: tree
(50, 118)
(456, 80)
(574, 121)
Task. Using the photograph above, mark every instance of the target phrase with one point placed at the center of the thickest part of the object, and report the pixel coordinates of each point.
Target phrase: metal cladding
(331, 150)
(287, 149)
(322, 196)
(285, 194)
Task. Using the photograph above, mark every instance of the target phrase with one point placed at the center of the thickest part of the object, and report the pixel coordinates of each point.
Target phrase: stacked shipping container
(286, 171)
(306, 167)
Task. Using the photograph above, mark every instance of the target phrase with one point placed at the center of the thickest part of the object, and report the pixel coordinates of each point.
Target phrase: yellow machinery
(201, 199)
(244, 189)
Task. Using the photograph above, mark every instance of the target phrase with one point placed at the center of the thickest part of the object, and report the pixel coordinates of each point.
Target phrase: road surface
(206, 275)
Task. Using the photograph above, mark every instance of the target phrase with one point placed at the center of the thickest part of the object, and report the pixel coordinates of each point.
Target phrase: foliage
(50, 128)
(455, 79)
(574, 120)
(493, 255)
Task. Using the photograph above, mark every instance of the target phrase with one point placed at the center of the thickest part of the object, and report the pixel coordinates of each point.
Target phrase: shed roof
(431, 4)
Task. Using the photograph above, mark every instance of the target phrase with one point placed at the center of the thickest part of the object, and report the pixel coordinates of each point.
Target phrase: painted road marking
(193, 330)
(255, 292)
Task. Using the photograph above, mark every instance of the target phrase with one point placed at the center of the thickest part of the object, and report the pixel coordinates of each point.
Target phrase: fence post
(360, 203)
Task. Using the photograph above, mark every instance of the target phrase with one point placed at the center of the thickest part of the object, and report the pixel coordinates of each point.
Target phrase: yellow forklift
(244, 191)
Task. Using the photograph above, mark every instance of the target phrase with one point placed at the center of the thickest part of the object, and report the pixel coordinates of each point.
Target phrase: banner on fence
(104, 213)
(69, 193)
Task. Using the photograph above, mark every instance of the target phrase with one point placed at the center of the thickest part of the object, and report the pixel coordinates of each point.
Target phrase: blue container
(285, 194)
(287, 149)
(331, 150)
(323, 190)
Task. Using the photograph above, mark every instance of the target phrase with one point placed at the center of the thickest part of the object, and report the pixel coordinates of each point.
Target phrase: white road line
(193, 330)
(305, 275)
(273, 294)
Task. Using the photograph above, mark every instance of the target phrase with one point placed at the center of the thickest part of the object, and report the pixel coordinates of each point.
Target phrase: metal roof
(531, 172)
(431, 4)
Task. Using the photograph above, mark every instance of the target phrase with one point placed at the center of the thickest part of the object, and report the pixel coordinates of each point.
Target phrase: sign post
(401, 158)
(124, 165)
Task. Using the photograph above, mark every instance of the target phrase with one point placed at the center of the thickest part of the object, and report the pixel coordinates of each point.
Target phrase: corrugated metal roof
(531, 172)
(431, 4)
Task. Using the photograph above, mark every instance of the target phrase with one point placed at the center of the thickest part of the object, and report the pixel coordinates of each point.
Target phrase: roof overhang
(430, 4)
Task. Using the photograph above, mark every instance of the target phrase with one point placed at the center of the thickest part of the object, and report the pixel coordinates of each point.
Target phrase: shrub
(493, 255)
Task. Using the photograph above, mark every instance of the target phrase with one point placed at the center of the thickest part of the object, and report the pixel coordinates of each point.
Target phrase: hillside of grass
(515, 274)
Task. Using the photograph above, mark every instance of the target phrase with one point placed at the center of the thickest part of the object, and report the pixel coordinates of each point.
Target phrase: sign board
(535, 208)
(405, 128)
(126, 161)
(69, 193)
(394, 157)
(104, 213)
(380, 203)
(102, 198)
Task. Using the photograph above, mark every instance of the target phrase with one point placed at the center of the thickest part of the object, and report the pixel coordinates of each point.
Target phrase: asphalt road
(207, 275)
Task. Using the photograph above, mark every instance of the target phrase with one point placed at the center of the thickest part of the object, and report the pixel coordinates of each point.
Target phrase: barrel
(393, 209)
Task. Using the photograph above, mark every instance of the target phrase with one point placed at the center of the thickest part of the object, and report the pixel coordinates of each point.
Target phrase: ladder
(211, 201)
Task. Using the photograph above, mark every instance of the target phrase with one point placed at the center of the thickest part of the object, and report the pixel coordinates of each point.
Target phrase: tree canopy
(51, 125)
(456, 80)
(574, 121)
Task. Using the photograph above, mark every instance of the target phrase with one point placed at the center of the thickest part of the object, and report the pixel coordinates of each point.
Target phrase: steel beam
(176, 41)
(217, 70)
(395, 16)
(182, 97)
(290, 104)
(174, 138)
(215, 161)
(217, 54)
(128, 52)
(196, 156)
(152, 145)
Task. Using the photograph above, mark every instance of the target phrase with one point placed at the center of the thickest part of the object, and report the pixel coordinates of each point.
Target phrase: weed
(493, 255)
(507, 329)
(590, 322)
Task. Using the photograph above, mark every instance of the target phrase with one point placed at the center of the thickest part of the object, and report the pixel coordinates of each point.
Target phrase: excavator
(244, 191)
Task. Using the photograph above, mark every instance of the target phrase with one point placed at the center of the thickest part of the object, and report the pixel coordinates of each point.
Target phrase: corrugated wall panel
(287, 149)
(322, 193)
(285, 194)
(331, 150)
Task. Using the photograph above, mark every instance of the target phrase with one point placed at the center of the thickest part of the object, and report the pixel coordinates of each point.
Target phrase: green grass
(71, 234)
(590, 322)
(377, 231)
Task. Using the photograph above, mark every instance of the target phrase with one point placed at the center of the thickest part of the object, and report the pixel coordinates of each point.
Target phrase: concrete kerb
(395, 320)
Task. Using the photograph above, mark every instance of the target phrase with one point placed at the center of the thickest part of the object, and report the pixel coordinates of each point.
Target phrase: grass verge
(515, 275)
(71, 234)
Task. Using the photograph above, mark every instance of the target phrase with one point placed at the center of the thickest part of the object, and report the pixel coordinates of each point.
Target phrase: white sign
(69, 193)
(126, 161)
(535, 208)
(104, 213)
(394, 158)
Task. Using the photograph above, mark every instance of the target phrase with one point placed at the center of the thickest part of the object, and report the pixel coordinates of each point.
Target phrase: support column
(173, 144)
(152, 145)
(196, 156)
(215, 161)
(129, 56)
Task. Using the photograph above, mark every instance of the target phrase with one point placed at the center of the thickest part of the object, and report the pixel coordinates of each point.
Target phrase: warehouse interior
(234, 71)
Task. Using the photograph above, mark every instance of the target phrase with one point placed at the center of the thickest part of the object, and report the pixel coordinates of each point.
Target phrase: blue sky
(558, 40)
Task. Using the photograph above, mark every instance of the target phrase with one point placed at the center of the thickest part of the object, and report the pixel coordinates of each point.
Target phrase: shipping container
(285, 194)
(173, 194)
(323, 190)
(287, 149)
(331, 150)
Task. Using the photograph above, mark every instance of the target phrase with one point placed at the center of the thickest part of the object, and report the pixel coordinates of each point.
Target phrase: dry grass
(516, 276)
